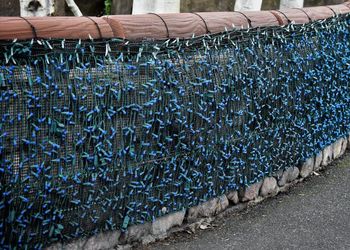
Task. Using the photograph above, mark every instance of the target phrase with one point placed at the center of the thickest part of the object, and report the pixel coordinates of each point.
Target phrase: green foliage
(108, 7)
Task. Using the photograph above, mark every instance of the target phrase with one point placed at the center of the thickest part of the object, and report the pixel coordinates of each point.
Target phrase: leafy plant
(108, 7)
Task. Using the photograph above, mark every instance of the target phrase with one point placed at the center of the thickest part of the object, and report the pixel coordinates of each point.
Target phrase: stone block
(57, 246)
(103, 241)
(233, 197)
(307, 167)
(124, 247)
(162, 224)
(78, 244)
(338, 148)
(345, 145)
(289, 175)
(223, 204)
(318, 161)
(208, 208)
(250, 193)
(278, 174)
(135, 233)
(148, 239)
(269, 187)
(327, 156)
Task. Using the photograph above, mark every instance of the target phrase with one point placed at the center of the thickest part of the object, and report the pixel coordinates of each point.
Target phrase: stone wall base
(202, 215)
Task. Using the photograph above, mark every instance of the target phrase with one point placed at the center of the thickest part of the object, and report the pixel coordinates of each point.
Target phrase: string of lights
(98, 135)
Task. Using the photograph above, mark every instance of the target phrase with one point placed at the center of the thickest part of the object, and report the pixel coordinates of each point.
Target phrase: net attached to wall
(101, 135)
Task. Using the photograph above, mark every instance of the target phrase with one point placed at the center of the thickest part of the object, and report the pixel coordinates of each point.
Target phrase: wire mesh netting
(100, 135)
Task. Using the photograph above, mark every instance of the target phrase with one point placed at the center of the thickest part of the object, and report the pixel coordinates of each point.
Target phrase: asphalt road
(314, 214)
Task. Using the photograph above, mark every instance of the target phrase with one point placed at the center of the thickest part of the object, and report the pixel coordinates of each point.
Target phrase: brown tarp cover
(54, 27)
(157, 26)
(184, 25)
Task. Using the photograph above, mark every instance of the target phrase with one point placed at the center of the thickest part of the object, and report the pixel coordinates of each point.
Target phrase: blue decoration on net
(100, 135)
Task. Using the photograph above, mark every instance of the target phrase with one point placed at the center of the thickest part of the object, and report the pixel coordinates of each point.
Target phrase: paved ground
(314, 214)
